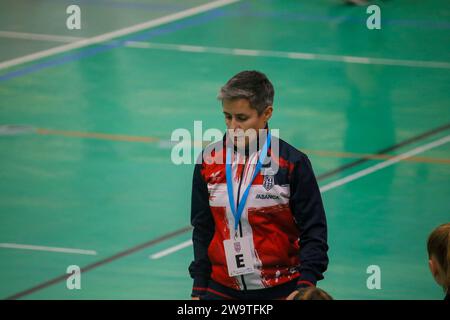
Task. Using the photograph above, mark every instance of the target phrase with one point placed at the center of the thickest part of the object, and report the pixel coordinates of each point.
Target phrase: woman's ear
(432, 267)
(268, 113)
(435, 271)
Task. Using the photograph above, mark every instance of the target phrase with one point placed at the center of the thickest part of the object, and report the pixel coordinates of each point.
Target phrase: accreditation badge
(239, 256)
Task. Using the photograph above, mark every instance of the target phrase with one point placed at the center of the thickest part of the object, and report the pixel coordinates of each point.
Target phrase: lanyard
(238, 213)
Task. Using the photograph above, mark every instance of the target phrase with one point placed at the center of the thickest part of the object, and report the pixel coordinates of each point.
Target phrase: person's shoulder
(210, 151)
(291, 153)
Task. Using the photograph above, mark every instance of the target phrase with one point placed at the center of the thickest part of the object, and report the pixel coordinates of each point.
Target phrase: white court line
(385, 164)
(290, 55)
(239, 52)
(341, 182)
(38, 36)
(43, 248)
(171, 250)
(118, 33)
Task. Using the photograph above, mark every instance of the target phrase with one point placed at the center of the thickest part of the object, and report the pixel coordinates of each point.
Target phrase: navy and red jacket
(284, 216)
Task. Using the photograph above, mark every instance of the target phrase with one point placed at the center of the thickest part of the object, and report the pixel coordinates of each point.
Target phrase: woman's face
(240, 117)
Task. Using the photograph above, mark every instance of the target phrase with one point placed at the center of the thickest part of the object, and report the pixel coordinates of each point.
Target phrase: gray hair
(251, 85)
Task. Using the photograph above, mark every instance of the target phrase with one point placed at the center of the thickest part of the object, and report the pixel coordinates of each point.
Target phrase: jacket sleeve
(203, 223)
(307, 207)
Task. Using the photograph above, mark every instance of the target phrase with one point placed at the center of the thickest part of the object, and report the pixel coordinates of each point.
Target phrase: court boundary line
(149, 139)
(240, 52)
(38, 36)
(94, 50)
(385, 164)
(46, 248)
(99, 263)
(171, 250)
(117, 33)
(289, 55)
(189, 228)
(385, 150)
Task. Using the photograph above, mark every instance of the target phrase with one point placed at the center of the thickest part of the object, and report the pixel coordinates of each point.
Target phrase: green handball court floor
(86, 176)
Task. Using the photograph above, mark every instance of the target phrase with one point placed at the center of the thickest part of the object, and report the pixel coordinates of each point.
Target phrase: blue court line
(91, 51)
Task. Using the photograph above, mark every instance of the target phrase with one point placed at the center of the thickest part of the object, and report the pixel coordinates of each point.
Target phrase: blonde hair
(312, 293)
(438, 246)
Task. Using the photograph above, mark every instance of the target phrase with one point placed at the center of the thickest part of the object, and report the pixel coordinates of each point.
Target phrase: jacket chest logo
(268, 182)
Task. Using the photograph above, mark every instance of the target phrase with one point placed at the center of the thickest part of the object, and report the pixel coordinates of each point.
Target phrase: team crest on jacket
(268, 182)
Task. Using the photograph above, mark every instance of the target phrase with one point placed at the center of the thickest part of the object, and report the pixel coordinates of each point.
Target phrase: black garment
(216, 291)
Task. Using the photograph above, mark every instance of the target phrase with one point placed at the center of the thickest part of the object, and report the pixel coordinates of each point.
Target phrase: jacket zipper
(237, 205)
